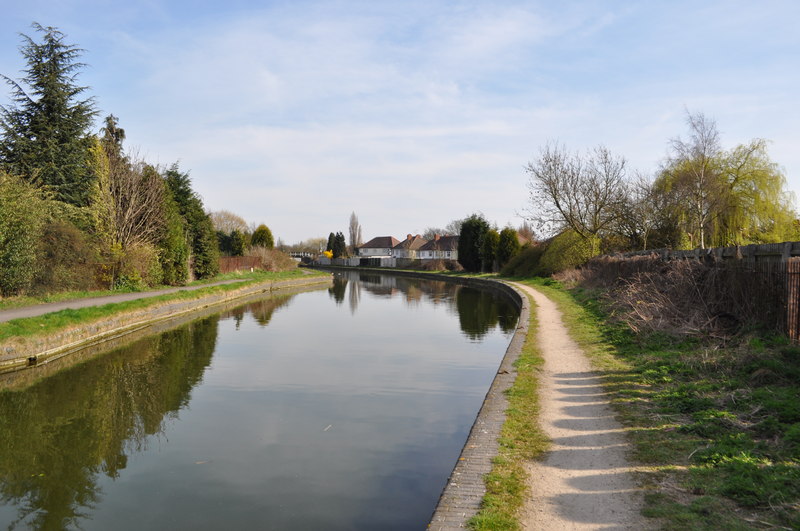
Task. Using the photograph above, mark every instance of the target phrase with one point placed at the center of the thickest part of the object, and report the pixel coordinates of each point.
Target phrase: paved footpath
(41, 309)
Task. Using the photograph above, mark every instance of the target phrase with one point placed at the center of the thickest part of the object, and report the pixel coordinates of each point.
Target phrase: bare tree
(525, 231)
(568, 191)
(454, 227)
(643, 208)
(138, 193)
(226, 222)
(355, 234)
(693, 169)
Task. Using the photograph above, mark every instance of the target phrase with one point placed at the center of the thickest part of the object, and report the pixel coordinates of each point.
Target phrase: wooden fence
(753, 283)
(228, 264)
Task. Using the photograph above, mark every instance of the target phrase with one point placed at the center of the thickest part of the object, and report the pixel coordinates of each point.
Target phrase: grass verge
(715, 428)
(521, 440)
(52, 322)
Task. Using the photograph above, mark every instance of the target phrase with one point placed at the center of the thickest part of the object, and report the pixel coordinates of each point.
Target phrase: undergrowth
(716, 424)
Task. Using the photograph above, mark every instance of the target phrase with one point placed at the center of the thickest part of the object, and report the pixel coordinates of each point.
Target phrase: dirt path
(584, 481)
(41, 309)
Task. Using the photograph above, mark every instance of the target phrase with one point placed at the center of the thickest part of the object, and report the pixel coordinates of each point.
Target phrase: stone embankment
(20, 352)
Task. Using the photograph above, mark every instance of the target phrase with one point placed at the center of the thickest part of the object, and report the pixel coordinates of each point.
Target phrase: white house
(379, 246)
(440, 248)
(409, 247)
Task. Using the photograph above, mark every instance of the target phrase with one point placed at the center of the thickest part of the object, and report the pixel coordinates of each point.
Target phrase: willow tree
(757, 207)
(721, 197)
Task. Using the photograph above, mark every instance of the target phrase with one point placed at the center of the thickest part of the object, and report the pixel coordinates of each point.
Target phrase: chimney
(436, 237)
(408, 237)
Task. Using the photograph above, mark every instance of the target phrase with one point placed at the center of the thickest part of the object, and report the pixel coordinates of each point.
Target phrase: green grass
(53, 322)
(7, 303)
(717, 427)
(521, 440)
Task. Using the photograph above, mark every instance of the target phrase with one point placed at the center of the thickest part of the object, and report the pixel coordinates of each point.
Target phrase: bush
(22, 214)
(272, 259)
(66, 258)
(566, 251)
(440, 265)
(525, 263)
(140, 268)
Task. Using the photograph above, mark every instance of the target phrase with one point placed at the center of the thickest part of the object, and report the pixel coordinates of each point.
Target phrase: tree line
(702, 196)
(80, 211)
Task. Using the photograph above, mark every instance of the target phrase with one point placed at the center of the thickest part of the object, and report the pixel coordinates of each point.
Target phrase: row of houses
(414, 247)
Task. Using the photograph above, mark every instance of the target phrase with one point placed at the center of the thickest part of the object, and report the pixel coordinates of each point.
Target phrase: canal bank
(19, 353)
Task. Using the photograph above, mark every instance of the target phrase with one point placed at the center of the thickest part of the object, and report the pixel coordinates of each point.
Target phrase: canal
(344, 408)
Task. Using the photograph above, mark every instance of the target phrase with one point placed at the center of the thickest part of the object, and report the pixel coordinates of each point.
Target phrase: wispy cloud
(416, 113)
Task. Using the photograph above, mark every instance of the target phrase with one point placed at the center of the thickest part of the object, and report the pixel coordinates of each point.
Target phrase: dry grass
(686, 297)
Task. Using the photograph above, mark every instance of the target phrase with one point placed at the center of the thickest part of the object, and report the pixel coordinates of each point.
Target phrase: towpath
(41, 309)
(585, 480)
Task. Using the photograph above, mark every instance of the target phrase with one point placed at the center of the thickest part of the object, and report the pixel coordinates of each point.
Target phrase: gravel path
(585, 480)
(41, 309)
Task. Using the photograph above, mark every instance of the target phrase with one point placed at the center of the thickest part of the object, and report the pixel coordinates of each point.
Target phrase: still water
(342, 408)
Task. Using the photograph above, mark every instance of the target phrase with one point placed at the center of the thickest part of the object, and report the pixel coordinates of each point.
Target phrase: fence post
(793, 298)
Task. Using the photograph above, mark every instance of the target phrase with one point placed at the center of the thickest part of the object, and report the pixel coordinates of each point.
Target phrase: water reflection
(311, 418)
(478, 311)
(60, 435)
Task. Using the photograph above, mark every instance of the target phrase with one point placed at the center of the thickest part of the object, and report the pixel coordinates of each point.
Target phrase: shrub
(66, 258)
(565, 251)
(272, 259)
(22, 212)
(525, 263)
(140, 268)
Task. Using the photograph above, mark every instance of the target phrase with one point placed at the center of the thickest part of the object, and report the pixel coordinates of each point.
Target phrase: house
(440, 248)
(379, 246)
(409, 247)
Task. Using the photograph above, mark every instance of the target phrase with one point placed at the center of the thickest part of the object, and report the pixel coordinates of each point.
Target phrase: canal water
(344, 408)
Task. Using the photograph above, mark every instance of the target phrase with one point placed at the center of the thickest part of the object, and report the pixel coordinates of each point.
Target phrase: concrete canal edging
(20, 353)
(462, 496)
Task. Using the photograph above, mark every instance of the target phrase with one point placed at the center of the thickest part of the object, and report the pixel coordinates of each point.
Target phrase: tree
(355, 233)
(46, 129)
(525, 231)
(507, 247)
(719, 197)
(470, 242)
(238, 243)
(580, 193)
(491, 241)
(694, 172)
(331, 242)
(200, 231)
(226, 222)
(262, 237)
(644, 210)
(339, 245)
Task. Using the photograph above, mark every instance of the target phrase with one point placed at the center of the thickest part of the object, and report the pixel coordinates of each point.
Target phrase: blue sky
(414, 113)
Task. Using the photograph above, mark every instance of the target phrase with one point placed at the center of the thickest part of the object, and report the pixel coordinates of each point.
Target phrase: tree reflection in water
(479, 311)
(59, 435)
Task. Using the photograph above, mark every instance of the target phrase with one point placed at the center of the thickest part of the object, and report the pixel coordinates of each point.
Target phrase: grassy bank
(716, 428)
(7, 303)
(52, 322)
(520, 440)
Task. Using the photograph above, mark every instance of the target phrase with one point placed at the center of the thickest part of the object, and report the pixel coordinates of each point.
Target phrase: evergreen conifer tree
(45, 131)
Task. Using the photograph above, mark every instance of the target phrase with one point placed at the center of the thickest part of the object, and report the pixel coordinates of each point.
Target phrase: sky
(415, 113)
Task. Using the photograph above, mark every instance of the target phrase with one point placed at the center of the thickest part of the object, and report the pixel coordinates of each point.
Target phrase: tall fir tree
(45, 131)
